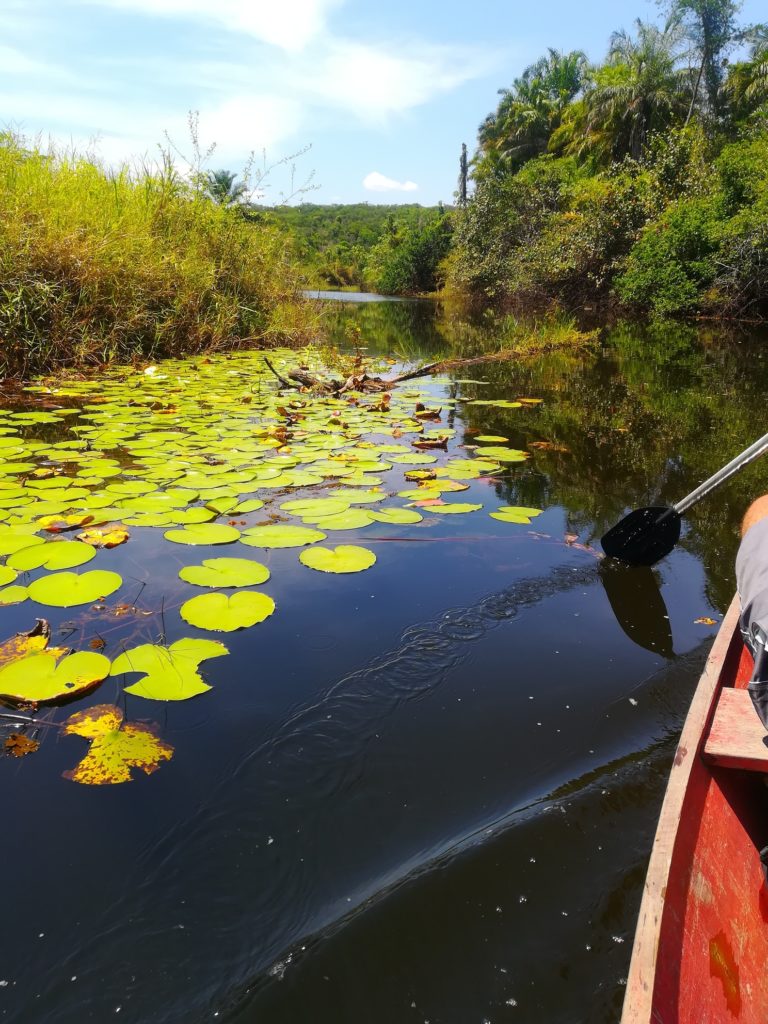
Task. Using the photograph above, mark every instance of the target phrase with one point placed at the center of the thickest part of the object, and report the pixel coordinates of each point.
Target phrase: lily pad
(34, 641)
(225, 572)
(249, 505)
(53, 554)
(315, 507)
(104, 538)
(501, 454)
(67, 589)
(455, 508)
(515, 514)
(39, 678)
(204, 533)
(13, 595)
(397, 516)
(12, 541)
(278, 536)
(170, 673)
(353, 519)
(116, 747)
(343, 559)
(7, 575)
(225, 614)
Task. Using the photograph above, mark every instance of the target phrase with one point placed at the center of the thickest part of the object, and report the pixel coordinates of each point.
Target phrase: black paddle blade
(644, 536)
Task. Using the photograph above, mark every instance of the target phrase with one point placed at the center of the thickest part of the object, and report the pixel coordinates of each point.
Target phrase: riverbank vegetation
(99, 265)
(640, 181)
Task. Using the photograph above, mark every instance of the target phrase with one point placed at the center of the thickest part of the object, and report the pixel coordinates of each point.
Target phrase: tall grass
(98, 265)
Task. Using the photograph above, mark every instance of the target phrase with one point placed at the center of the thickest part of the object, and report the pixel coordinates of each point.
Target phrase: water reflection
(635, 597)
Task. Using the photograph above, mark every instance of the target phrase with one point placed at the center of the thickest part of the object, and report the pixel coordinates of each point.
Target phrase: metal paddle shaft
(648, 534)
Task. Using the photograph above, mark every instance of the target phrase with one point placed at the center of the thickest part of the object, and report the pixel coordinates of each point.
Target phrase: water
(424, 793)
(355, 297)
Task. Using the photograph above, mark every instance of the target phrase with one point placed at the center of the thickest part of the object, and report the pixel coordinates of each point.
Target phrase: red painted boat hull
(701, 947)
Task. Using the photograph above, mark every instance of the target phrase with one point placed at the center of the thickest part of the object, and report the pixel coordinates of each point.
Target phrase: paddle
(648, 534)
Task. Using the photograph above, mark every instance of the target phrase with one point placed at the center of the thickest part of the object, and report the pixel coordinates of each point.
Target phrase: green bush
(407, 261)
(674, 259)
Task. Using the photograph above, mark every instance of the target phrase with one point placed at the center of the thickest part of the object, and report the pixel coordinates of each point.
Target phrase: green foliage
(406, 261)
(335, 242)
(708, 251)
(98, 265)
(527, 115)
(641, 178)
(674, 259)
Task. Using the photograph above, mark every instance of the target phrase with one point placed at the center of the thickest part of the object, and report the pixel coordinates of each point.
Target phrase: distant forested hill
(395, 248)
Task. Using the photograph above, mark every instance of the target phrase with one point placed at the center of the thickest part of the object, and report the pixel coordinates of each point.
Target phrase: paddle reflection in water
(635, 597)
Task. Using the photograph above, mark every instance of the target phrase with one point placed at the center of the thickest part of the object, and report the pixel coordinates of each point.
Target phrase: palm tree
(221, 187)
(532, 109)
(747, 82)
(640, 89)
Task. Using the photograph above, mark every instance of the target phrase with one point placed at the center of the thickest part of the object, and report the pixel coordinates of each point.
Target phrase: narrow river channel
(422, 793)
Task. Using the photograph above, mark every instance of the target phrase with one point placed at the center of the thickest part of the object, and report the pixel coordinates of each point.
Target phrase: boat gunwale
(641, 980)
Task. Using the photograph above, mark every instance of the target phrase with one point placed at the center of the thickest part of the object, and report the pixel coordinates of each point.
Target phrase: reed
(100, 264)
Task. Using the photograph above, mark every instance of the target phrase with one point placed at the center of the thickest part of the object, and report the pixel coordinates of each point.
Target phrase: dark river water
(426, 793)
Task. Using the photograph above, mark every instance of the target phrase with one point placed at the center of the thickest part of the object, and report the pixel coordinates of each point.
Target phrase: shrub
(674, 259)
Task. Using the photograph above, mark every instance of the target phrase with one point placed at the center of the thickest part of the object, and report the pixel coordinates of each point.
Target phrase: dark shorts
(752, 584)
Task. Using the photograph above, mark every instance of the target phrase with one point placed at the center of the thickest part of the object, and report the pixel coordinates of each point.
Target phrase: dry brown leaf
(19, 745)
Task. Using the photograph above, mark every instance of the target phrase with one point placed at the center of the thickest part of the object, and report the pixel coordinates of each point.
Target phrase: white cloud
(376, 182)
(375, 82)
(237, 124)
(288, 24)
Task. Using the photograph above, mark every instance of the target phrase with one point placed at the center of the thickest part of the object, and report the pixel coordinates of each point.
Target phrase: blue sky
(384, 93)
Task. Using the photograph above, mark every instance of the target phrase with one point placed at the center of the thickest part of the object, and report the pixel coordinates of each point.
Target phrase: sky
(368, 101)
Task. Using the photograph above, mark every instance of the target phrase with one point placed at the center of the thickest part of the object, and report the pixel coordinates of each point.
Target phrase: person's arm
(757, 510)
(752, 585)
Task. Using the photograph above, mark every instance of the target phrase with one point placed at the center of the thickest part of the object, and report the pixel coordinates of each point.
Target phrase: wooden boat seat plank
(737, 738)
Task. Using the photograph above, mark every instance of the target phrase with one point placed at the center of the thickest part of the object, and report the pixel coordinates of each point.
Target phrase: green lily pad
(149, 519)
(415, 459)
(515, 514)
(504, 454)
(397, 516)
(420, 494)
(13, 595)
(250, 505)
(67, 589)
(204, 533)
(225, 614)
(454, 508)
(7, 575)
(53, 554)
(315, 507)
(10, 541)
(352, 519)
(38, 678)
(190, 516)
(170, 672)
(490, 438)
(358, 497)
(225, 572)
(345, 558)
(465, 470)
(519, 510)
(278, 536)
